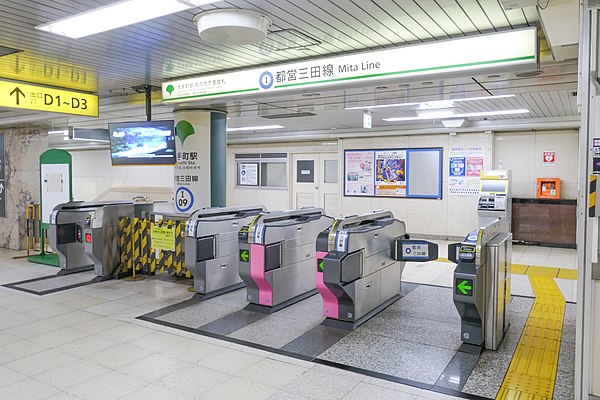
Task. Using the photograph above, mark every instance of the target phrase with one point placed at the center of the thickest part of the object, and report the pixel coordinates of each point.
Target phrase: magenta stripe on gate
(257, 272)
(330, 302)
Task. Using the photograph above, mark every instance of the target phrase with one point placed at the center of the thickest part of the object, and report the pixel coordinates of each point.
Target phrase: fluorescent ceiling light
(433, 103)
(435, 114)
(116, 15)
(64, 132)
(255, 128)
(464, 115)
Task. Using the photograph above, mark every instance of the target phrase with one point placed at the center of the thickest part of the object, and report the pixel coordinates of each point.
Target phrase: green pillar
(218, 159)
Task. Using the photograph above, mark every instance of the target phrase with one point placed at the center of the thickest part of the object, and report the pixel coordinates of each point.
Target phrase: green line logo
(183, 130)
(170, 89)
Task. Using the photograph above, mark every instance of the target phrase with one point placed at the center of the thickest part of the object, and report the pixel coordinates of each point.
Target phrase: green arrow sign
(464, 287)
(321, 265)
(244, 255)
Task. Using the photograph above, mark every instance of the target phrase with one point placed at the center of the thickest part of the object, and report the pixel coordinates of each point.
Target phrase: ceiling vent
(289, 115)
(516, 4)
(287, 39)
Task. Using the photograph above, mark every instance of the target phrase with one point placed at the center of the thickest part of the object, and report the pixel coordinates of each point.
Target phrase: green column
(218, 159)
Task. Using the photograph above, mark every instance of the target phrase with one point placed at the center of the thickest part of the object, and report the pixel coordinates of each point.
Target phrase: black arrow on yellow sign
(18, 93)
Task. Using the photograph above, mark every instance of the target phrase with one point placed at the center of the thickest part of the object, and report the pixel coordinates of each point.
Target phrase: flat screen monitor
(135, 143)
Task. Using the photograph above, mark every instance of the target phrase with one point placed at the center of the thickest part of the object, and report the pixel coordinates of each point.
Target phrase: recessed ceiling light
(529, 74)
(427, 83)
(403, 85)
(116, 15)
(464, 115)
(493, 76)
(311, 94)
(381, 87)
(255, 128)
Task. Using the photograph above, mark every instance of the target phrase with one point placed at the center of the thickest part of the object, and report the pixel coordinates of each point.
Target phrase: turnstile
(276, 257)
(359, 266)
(85, 234)
(481, 285)
(211, 248)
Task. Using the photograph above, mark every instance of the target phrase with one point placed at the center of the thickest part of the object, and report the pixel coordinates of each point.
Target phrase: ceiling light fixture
(432, 104)
(464, 115)
(116, 15)
(255, 128)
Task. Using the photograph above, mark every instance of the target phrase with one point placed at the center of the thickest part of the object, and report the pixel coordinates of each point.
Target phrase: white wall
(93, 174)
(522, 153)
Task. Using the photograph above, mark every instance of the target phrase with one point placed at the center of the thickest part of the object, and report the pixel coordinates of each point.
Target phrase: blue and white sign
(266, 80)
(184, 199)
(457, 166)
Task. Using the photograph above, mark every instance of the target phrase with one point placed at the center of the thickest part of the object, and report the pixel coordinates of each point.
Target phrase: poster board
(409, 173)
(464, 170)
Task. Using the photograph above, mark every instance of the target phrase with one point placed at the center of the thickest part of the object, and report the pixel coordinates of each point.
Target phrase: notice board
(410, 173)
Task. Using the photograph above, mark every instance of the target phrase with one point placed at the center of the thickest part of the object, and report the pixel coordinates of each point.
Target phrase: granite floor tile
(407, 360)
(566, 358)
(417, 330)
(458, 370)
(194, 381)
(232, 322)
(568, 332)
(308, 310)
(58, 282)
(229, 360)
(235, 299)
(197, 314)
(238, 388)
(316, 340)
(273, 331)
(564, 387)
(367, 391)
(487, 376)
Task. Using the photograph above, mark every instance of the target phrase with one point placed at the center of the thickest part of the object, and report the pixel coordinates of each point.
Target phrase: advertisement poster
(248, 174)
(359, 173)
(466, 164)
(390, 176)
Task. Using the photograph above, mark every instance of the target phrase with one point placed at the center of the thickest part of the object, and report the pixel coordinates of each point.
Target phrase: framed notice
(411, 173)
(466, 164)
(248, 174)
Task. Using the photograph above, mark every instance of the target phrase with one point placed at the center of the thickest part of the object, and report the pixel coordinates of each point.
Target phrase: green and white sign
(515, 47)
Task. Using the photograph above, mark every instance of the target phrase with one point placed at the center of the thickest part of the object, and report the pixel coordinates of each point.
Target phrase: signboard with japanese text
(248, 174)
(502, 49)
(389, 173)
(40, 98)
(549, 158)
(465, 166)
(359, 176)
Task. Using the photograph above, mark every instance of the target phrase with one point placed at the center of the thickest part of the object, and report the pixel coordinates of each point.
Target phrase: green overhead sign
(463, 287)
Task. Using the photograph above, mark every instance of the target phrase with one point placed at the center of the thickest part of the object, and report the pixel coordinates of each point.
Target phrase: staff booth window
(267, 170)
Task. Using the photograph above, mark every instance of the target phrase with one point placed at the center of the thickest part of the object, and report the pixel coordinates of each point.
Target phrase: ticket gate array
(211, 245)
(359, 266)
(276, 257)
(85, 235)
(482, 281)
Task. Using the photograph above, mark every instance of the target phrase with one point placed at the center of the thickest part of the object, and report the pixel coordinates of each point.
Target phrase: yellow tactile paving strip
(532, 371)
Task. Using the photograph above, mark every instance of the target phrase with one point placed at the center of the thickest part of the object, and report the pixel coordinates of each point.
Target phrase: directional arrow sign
(464, 287)
(33, 97)
(244, 255)
(321, 265)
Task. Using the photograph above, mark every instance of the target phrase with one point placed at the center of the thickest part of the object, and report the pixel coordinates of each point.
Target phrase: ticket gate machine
(85, 235)
(359, 266)
(211, 248)
(482, 281)
(276, 257)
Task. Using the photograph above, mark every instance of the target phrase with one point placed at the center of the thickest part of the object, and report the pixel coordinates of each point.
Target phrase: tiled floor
(85, 343)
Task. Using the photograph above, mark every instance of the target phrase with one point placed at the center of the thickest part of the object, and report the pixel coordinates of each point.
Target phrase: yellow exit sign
(39, 98)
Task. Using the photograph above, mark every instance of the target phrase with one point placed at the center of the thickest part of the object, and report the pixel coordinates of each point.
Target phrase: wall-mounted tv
(148, 142)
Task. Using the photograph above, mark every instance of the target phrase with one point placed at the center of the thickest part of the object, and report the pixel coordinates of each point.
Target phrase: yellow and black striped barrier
(592, 206)
(166, 253)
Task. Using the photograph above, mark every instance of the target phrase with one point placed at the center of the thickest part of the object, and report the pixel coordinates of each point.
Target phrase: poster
(248, 174)
(465, 166)
(390, 176)
(359, 177)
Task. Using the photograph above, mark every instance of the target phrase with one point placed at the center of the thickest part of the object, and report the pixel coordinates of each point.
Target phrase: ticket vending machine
(495, 199)
(359, 265)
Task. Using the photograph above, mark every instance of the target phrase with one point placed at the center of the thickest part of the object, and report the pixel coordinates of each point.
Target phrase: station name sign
(41, 98)
(509, 48)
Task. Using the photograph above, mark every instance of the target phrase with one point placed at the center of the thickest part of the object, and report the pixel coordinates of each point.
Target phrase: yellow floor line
(532, 371)
(537, 270)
